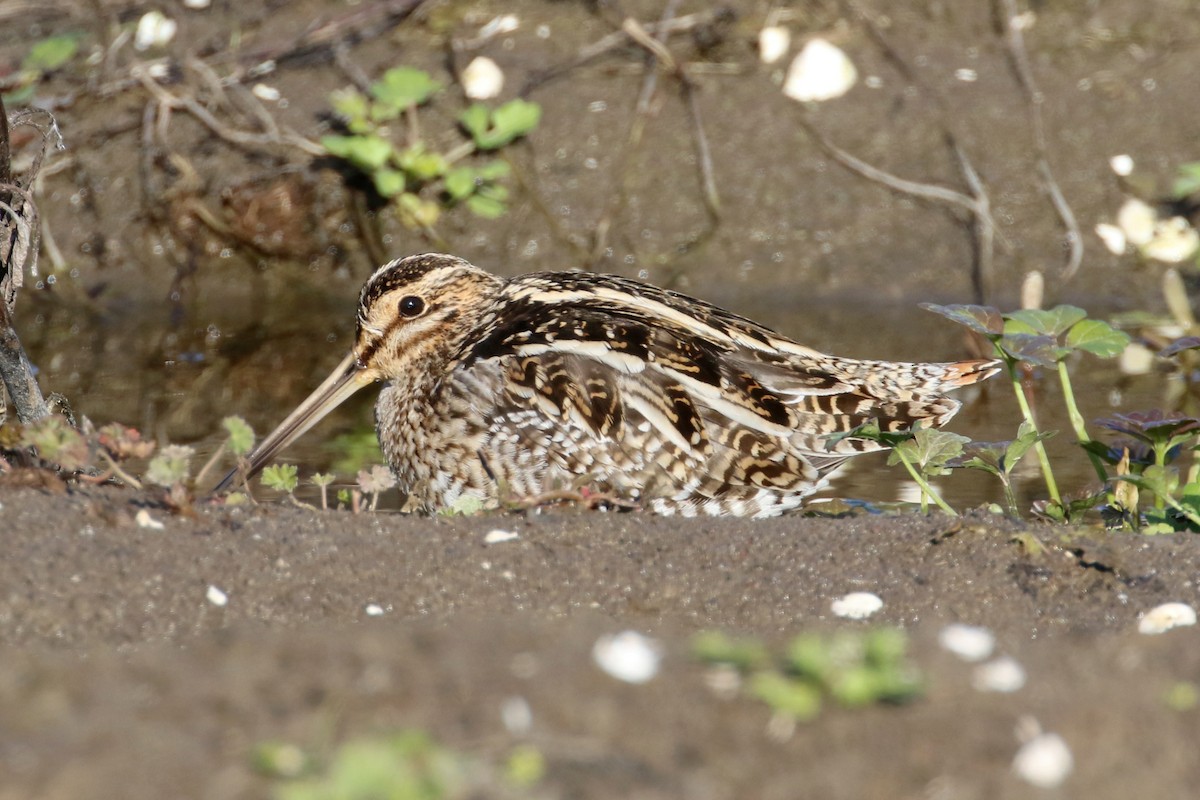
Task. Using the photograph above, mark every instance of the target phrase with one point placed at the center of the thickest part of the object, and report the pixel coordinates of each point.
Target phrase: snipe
(511, 388)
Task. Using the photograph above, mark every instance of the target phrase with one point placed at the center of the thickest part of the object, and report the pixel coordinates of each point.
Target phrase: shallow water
(180, 386)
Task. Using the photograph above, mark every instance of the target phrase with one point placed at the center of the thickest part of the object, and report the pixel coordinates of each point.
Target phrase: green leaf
(794, 698)
(423, 165)
(1027, 437)
(281, 477)
(321, 479)
(1053, 322)
(486, 207)
(495, 129)
(1098, 338)
(1036, 349)
(51, 53)
(714, 647)
(981, 319)
(402, 87)
(368, 153)
(57, 442)
(352, 105)
(494, 170)
(460, 183)
(930, 450)
(1188, 180)
(171, 466)
(475, 120)
(389, 182)
(416, 212)
(241, 435)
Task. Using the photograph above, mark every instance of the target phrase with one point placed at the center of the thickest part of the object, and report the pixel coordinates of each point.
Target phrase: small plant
(418, 179)
(171, 468)
(999, 459)
(925, 453)
(406, 766)
(44, 57)
(374, 482)
(853, 668)
(239, 441)
(1044, 338)
(1144, 463)
(322, 481)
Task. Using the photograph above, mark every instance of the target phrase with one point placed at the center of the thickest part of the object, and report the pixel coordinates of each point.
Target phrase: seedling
(374, 482)
(925, 452)
(999, 459)
(239, 441)
(44, 57)
(322, 481)
(418, 179)
(853, 668)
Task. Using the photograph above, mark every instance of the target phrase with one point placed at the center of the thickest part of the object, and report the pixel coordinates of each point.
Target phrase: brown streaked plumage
(516, 387)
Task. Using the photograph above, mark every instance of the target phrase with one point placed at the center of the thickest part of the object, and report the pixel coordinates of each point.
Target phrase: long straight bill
(346, 379)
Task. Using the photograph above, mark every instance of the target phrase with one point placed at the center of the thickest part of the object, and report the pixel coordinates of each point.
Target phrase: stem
(1009, 497)
(120, 473)
(1038, 447)
(1077, 423)
(926, 490)
(220, 451)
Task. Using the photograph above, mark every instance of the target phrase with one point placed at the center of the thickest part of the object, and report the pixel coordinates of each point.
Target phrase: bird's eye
(411, 306)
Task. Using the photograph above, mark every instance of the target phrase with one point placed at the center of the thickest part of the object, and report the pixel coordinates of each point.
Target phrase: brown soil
(121, 680)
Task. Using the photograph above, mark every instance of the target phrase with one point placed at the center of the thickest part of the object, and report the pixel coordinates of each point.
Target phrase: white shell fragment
(1122, 165)
(197, 5)
(1136, 359)
(1045, 761)
(264, 92)
(773, 43)
(968, 642)
(217, 597)
(1113, 238)
(153, 30)
(856, 605)
(1003, 674)
(820, 72)
(1137, 220)
(1165, 617)
(966, 75)
(144, 520)
(1174, 240)
(373, 610)
(505, 23)
(516, 715)
(628, 656)
(498, 535)
(482, 79)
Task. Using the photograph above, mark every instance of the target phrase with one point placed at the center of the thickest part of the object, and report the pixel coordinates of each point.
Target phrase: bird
(498, 388)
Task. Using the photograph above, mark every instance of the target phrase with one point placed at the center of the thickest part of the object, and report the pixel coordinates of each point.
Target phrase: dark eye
(411, 306)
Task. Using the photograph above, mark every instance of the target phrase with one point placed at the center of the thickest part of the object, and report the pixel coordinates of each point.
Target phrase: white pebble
(966, 75)
(1169, 615)
(856, 605)
(496, 536)
(1003, 674)
(821, 72)
(516, 715)
(1113, 238)
(153, 30)
(264, 92)
(373, 610)
(1122, 165)
(1137, 220)
(968, 642)
(628, 656)
(1045, 761)
(216, 596)
(482, 79)
(197, 5)
(1136, 359)
(144, 520)
(506, 23)
(773, 43)
(1174, 240)
(543, 31)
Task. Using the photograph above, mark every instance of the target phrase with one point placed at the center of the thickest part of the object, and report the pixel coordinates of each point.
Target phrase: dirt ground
(119, 677)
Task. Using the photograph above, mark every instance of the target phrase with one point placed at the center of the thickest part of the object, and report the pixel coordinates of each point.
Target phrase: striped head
(415, 314)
